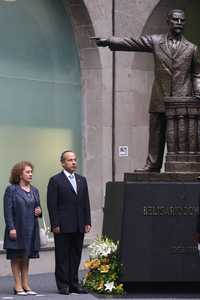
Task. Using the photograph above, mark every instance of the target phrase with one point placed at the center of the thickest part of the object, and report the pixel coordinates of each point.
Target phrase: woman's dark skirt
(16, 253)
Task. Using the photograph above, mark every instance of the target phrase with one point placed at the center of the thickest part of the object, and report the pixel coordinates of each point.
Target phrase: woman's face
(26, 175)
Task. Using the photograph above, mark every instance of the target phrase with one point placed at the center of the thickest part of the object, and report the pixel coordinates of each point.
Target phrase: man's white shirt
(72, 179)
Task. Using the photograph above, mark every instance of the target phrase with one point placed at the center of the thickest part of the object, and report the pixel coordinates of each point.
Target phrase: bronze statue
(177, 74)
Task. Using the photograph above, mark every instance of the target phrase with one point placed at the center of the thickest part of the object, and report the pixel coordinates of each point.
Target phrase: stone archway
(40, 86)
(96, 117)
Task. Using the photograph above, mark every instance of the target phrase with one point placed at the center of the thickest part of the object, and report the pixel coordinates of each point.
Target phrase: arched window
(40, 94)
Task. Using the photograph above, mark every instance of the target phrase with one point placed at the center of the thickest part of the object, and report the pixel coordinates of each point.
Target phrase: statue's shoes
(147, 169)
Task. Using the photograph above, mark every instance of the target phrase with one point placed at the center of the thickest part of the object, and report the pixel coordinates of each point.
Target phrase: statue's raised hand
(100, 42)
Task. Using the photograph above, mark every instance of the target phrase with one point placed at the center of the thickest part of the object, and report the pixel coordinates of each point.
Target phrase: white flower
(102, 247)
(109, 286)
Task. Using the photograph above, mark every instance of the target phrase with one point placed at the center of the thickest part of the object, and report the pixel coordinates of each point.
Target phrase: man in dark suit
(69, 212)
(177, 74)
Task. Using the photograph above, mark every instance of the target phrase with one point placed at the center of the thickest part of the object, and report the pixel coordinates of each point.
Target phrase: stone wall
(134, 76)
(94, 18)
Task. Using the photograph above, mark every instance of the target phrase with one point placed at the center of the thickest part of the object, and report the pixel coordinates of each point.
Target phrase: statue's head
(176, 21)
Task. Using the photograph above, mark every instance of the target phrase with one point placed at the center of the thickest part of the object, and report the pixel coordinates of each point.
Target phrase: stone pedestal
(155, 223)
(182, 134)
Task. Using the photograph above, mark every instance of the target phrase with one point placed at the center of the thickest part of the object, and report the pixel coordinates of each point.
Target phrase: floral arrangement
(103, 267)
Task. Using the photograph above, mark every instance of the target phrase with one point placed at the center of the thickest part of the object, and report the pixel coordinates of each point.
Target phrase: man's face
(69, 163)
(176, 22)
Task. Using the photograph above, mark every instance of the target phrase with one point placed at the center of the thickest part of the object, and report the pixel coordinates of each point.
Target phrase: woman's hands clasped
(13, 234)
(38, 211)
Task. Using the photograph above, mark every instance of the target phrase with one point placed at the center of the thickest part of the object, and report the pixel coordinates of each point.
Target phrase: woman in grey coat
(21, 212)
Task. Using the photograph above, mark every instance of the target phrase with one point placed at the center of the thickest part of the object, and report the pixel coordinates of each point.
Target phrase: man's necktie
(73, 182)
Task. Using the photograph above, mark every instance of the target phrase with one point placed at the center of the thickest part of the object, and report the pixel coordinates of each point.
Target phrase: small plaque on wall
(123, 151)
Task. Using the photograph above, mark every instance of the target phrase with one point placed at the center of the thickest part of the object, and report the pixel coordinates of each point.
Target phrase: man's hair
(17, 170)
(171, 12)
(62, 159)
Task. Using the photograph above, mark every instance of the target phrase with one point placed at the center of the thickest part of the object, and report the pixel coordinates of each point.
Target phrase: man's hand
(56, 230)
(13, 234)
(87, 228)
(38, 211)
(100, 42)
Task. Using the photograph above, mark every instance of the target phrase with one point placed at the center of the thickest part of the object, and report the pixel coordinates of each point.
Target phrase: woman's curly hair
(17, 170)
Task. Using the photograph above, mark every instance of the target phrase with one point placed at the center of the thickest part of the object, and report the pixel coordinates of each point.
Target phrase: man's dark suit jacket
(67, 209)
(176, 75)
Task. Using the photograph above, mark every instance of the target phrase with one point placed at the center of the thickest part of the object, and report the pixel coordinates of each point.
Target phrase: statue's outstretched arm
(100, 42)
(141, 44)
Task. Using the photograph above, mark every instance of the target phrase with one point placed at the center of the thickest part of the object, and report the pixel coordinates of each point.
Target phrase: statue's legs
(157, 129)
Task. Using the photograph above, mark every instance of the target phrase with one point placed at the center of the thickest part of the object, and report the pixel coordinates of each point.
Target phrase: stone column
(183, 134)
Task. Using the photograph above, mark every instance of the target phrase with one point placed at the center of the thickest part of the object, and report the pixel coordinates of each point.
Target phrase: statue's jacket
(176, 75)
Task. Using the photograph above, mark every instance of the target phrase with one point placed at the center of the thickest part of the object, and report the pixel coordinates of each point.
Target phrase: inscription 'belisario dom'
(172, 211)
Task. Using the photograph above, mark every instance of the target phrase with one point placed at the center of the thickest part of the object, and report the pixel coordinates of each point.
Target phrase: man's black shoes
(77, 289)
(64, 291)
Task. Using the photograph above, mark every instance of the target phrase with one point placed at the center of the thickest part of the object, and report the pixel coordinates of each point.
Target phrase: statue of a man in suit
(177, 74)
